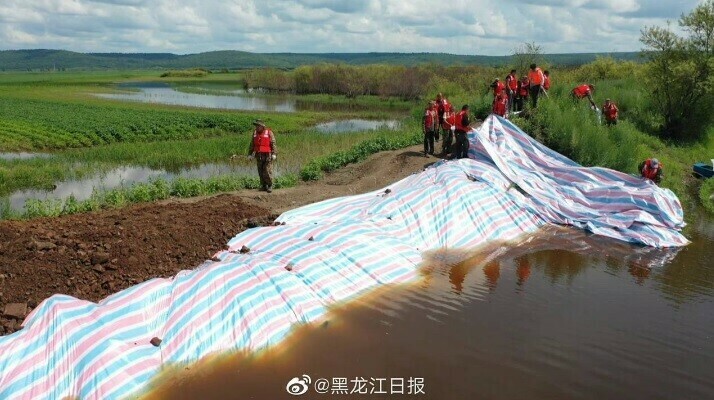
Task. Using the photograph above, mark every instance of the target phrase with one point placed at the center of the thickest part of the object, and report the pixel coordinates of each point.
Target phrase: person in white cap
(651, 169)
(263, 149)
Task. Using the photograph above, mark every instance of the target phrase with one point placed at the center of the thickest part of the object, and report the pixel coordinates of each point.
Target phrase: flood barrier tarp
(319, 255)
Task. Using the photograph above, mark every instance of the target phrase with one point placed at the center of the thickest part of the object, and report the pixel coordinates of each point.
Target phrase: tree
(526, 54)
(680, 73)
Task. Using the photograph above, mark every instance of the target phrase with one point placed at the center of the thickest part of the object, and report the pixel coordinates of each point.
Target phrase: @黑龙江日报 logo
(298, 385)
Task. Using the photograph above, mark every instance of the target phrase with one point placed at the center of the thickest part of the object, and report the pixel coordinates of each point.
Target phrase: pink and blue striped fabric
(601, 200)
(318, 255)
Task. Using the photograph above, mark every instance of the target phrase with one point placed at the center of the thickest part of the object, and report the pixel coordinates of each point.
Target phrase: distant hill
(24, 60)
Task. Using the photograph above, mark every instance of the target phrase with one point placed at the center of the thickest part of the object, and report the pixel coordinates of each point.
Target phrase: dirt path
(91, 256)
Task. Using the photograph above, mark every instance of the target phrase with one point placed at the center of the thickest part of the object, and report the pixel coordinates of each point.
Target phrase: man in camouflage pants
(263, 148)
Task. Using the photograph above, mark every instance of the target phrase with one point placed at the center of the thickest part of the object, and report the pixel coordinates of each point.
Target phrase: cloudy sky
(488, 27)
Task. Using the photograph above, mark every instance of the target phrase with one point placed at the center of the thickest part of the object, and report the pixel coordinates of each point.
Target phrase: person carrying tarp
(429, 126)
(448, 125)
(582, 91)
(500, 105)
(462, 126)
(651, 169)
(264, 150)
(610, 110)
(535, 79)
(523, 89)
(512, 89)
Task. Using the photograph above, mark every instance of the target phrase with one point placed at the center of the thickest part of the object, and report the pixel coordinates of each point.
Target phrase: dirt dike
(90, 256)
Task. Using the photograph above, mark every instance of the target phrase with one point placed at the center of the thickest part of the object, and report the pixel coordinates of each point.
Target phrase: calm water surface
(561, 315)
(356, 125)
(82, 189)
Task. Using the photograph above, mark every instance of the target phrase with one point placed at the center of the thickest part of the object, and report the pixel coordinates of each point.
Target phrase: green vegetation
(680, 73)
(314, 169)
(61, 60)
(706, 195)
(186, 73)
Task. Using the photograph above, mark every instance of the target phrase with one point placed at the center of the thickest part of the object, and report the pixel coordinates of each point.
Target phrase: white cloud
(491, 27)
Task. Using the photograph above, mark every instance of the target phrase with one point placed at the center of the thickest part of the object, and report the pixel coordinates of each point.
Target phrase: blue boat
(704, 170)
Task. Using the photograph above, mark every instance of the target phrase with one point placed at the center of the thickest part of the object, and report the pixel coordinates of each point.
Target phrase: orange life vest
(610, 111)
(546, 82)
(429, 118)
(449, 120)
(512, 82)
(261, 141)
(523, 89)
(498, 88)
(500, 104)
(460, 126)
(649, 172)
(535, 77)
(581, 91)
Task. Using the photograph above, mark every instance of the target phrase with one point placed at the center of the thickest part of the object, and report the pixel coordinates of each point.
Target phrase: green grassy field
(58, 113)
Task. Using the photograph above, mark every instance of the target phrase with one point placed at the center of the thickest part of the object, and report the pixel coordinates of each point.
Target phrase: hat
(654, 163)
(258, 122)
(607, 99)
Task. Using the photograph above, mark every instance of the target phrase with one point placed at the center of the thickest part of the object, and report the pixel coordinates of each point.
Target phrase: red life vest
(535, 77)
(498, 88)
(546, 83)
(523, 90)
(610, 111)
(500, 104)
(460, 126)
(449, 120)
(261, 141)
(429, 118)
(512, 82)
(649, 172)
(581, 91)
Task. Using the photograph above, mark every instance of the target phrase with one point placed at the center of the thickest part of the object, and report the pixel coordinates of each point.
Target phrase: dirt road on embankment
(90, 256)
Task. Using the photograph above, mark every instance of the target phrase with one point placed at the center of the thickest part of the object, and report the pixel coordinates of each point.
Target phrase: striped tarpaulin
(316, 256)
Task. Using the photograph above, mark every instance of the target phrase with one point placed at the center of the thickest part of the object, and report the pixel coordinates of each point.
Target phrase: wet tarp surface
(321, 254)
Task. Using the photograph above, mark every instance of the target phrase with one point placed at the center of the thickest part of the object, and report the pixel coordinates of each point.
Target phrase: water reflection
(166, 95)
(559, 315)
(23, 156)
(126, 175)
(356, 125)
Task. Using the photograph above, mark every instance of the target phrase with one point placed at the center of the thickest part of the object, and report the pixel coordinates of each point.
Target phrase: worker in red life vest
(652, 169)
(536, 80)
(461, 147)
(512, 89)
(546, 81)
(610, 110)
(500, 105)
(449, 127)
(497, 87)
(522, 95)
(442, 104)
(583, 91)
(263, 149)
(429, 126)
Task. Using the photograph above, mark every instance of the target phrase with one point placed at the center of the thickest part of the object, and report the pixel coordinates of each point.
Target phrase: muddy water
(356, 125)
(562, 315)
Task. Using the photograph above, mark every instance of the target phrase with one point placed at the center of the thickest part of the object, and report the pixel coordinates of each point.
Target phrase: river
(559, 315)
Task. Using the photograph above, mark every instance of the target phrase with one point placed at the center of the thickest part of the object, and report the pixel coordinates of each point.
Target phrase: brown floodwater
(560, 315)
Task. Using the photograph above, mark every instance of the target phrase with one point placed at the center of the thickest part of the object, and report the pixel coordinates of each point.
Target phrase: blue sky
(487, 27)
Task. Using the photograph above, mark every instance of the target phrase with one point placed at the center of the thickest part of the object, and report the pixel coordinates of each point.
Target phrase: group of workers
(442, 121)
(513, 95)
